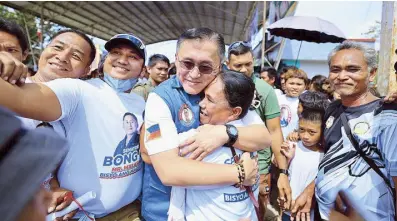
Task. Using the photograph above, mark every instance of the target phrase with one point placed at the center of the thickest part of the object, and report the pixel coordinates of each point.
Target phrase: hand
(207, 139)
(288, 150)
(350, 214)
(301, 206)
(293, 136)
(59, 202)
(250, 168)
(391, 97)
(11, 69)
(284, 192)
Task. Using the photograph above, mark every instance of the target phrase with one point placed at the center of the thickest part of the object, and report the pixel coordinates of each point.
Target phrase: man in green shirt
(158, 72)
(240, 58)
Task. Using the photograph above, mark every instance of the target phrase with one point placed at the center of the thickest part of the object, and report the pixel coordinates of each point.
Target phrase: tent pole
(299, 51)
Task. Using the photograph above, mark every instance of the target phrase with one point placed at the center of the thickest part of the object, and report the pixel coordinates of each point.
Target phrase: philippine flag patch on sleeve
(153, 132)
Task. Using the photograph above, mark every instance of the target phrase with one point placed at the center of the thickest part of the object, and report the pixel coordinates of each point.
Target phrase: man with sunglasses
(240, 58)
(172, 108)
(93, 163)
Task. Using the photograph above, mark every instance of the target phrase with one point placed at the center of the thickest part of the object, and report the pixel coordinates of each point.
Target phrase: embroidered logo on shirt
(286, 115)
(185, 115)
(329, 122)
(361, 128)
(153, 132)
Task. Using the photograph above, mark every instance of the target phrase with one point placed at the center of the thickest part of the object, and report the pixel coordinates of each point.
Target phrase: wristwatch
(284, 171)
(232, 132)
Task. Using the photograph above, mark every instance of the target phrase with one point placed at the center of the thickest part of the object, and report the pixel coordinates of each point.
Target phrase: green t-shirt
(143, 89)
(268, 109)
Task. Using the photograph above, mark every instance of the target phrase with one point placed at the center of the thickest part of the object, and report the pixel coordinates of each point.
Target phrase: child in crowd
(305, 155)
(295, 83)
(312, 100)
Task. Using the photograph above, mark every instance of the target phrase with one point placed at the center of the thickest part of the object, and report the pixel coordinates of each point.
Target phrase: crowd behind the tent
(172, 141)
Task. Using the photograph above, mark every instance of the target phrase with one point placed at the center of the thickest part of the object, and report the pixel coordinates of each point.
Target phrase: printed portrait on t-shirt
(126, 158)
(286, 115)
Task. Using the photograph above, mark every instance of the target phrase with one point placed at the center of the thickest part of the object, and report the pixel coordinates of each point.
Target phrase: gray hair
(204, 34)
(369, 53)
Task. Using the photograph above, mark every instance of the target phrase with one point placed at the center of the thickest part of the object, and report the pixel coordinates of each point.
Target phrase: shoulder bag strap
(369, 161)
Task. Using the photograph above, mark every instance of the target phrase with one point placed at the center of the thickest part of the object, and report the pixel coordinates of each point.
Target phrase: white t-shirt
(99, 158)
(31, 124)
(219, 202)
(278, 92)
(288, 114)
(303, 169)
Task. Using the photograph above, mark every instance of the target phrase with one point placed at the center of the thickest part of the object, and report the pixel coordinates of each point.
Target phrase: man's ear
(372, 74)
(25, 55)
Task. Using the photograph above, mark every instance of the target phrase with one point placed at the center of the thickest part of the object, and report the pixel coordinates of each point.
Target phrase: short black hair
(271, 72)
(239, 90)
(172, 71)
(203, 34)
(312, 115)
(14, 29)
(239, 50)
(314, 101)
(157, 58)
(81, 34)
(317, 82)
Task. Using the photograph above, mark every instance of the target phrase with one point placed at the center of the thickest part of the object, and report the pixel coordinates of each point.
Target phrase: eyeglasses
(236, 44)
(203, 69)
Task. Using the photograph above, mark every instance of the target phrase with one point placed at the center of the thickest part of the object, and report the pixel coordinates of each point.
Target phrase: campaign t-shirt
(31, 124)
(374, 126)
(102, 127)
(289, 119)
(220, 202)
(303, 169)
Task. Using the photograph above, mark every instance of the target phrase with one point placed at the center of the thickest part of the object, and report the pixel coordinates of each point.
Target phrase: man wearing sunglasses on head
(172, 108)
(240, 58)
(97, 161)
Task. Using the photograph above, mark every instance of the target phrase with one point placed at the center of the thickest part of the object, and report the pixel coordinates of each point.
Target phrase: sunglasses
(203, 69)
(236, 44)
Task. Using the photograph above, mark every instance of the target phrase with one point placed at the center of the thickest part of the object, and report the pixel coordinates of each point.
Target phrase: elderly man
(93, 162)
(158, 72)
(172, 108)
(360, 138)
(360, 130)
(240, 58)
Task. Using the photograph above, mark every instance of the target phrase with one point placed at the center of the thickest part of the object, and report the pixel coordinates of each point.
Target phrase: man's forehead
(242, 58)
(73, 40)
(351, 56)
(208, 50)
(123, 46)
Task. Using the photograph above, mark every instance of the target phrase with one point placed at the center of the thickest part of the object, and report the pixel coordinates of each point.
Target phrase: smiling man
(93, 163)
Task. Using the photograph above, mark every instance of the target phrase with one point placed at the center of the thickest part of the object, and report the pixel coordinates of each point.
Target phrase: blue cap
(129, 39)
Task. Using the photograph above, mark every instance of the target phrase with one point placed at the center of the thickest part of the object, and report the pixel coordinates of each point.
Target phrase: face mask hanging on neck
(118, 84)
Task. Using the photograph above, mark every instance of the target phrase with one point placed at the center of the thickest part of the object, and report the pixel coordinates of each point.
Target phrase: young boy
(305, 155)
(310, 100)
(295, 83)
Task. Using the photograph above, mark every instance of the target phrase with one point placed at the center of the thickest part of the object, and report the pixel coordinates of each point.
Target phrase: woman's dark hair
(14, 29)
(314, 101)
(317, 82)
(239, 90)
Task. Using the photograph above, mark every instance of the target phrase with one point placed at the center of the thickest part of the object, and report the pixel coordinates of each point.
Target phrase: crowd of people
(204, 138)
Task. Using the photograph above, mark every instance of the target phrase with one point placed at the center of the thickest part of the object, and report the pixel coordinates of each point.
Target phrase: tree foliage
(374, 30)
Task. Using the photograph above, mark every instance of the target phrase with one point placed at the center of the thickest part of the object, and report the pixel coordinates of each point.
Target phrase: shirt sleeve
(251, 118)
(140, 90)
(389, 146)
(160, 133)
(68, 92)
(271, 107)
